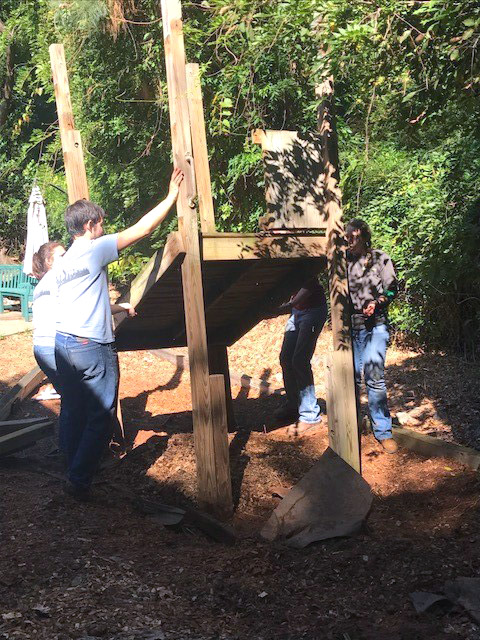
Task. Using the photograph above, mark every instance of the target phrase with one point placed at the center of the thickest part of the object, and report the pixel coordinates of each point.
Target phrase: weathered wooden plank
(218, 364)
(255, 247)
(342, 413)
(434, 447)
(330, 400)
(224, 505)
(71, 141)
(24, 387)
(294, 179)
(347, 443)
(170, 258)
(200, 151)
(259, 305)
(10, 426)
(24, 437)
(210, 492)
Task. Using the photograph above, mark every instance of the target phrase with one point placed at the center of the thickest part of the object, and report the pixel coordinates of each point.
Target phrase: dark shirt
(316, 297)
(370, 277)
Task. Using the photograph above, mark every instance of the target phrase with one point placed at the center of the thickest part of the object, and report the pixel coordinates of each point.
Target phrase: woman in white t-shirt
(44, 302)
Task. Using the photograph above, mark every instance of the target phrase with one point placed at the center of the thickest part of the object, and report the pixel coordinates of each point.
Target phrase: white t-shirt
(44, 311)
(81, 276)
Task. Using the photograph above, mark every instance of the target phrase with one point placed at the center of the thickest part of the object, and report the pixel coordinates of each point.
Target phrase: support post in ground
(77, 185)
(218, 364)
(217, 355)
(344, 439)
(211, 448)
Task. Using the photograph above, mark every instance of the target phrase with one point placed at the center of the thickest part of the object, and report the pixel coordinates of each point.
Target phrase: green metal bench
(16, 284)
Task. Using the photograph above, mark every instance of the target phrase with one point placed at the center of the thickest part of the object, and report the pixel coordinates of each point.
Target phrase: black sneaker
(81, 494)
(286, 414)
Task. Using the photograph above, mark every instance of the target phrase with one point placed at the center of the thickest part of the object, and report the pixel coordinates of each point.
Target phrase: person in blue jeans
(308, 309)
(43, 317)
(85, 352)
(373, 285)
(44, 320)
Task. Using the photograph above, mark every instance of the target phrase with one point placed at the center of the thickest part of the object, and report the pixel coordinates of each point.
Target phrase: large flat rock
(330, 501)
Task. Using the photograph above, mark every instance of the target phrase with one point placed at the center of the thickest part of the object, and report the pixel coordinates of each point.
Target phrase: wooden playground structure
(206, 289)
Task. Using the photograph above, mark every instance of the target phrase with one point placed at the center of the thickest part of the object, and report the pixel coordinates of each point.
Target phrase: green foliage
(407, 86)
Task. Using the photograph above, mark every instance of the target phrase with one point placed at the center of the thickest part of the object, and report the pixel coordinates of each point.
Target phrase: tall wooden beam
(77, 185)
(211, 449)
(344, 437)
(200, 151)
(217, 354)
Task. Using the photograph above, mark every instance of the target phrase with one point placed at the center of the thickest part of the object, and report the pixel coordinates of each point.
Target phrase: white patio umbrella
(37, 230)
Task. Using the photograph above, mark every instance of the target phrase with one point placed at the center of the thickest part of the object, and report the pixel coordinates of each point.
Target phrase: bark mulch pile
(105, 570)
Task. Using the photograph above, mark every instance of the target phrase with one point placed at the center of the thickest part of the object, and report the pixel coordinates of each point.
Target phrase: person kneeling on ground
(373, 285)
(308, 309)
(85, 351)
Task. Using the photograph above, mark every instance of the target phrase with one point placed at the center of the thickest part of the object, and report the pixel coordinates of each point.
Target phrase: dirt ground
(104, 570)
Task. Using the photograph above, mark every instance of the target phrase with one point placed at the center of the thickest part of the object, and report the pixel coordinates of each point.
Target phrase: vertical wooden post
(211, 449)
(218, 364)
(344, 437)
(219, 419)
(200, 151)
(77, 185)
(217, 354)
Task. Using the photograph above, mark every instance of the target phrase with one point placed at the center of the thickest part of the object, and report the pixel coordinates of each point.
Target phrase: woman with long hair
(43, 310)
(373, 285)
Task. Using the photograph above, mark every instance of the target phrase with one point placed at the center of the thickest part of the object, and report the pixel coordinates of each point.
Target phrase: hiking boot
(301, 428)
(286, 414)
(389, 445)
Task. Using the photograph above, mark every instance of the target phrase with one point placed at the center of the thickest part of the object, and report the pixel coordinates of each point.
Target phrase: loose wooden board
(434, 447)
(24, 387)
(24, 437)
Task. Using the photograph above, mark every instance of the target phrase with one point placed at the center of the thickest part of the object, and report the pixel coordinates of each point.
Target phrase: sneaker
(286, 414)
(301, 428)
(81, 494)
(389, 445)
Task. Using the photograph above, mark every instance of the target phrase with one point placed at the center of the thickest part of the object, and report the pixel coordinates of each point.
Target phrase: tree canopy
(407, 77)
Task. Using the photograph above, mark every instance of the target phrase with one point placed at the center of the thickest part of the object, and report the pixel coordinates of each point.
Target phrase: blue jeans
(89, 372)
(369, 349)
(301, 333)
(45, 357)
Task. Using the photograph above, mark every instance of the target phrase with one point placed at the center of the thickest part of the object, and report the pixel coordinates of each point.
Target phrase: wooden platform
(245, 277)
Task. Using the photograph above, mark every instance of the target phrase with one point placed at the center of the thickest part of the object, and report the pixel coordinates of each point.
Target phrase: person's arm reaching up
(153, 218)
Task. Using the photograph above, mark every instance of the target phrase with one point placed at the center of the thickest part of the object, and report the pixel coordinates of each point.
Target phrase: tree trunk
(6, 89)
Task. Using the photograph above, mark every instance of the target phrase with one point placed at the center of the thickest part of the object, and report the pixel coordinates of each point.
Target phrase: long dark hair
(356, 224)
(43, 259)
(360, 225)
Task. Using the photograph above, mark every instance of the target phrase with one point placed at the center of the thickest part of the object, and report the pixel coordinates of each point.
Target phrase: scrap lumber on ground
(11, 426)
(22, 438)
(23, 388)
(434, 447)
